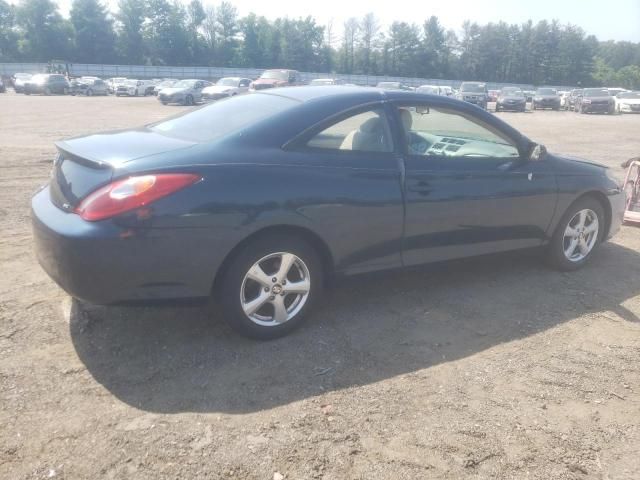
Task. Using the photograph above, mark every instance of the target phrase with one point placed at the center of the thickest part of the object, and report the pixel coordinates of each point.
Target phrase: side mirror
(538, 152)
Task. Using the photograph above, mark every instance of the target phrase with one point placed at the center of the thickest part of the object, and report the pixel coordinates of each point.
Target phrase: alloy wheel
(275, 289)
(580, 235)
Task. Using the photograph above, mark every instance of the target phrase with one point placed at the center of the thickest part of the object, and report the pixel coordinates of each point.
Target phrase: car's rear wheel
(89, 93)
(577, 235)
(270, 285)
(47, 91)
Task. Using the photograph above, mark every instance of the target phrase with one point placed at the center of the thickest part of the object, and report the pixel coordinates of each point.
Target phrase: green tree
(166, 35)
(130, 44)
(94, 35)
(227, 20)
(8, 35)
(45, 34)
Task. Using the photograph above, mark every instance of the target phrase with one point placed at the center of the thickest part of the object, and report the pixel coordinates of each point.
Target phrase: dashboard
(427, 144)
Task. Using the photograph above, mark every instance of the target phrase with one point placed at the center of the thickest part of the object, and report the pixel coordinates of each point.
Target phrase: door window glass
(364, 132)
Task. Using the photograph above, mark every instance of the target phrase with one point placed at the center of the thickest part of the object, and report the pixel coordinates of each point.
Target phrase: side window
(441, 132)
(363, 132)
(244, 83)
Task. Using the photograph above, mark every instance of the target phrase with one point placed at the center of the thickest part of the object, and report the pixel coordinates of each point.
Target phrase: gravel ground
(489, 368)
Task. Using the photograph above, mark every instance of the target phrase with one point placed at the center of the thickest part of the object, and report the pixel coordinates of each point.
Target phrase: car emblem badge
(276, 289)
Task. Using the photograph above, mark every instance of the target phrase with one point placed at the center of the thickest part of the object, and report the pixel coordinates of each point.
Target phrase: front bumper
(512, 105)
(634, 108)
(104, 263)
(618, 202)
(596, 108)
(546, 104)
(210, 97)
(480, 101)
(176, 98)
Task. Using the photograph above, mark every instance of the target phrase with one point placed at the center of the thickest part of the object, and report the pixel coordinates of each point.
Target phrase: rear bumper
(104, 263)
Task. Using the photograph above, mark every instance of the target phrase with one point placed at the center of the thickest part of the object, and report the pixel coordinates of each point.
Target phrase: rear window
(224, 117)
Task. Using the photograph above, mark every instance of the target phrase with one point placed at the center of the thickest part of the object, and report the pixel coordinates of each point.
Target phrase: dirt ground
(490, 368)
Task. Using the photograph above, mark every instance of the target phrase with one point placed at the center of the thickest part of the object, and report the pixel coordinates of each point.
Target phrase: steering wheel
(417, 144)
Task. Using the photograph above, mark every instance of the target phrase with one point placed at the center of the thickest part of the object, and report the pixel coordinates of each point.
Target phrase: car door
(349, 172)
(467, 189)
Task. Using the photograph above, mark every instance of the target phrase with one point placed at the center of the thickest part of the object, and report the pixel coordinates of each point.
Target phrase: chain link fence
(213, 73)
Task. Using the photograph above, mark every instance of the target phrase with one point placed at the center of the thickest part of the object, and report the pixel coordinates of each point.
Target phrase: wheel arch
(601, 198)
(307, 235)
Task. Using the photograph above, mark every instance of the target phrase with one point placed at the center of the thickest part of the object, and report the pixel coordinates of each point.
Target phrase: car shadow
(368, 328)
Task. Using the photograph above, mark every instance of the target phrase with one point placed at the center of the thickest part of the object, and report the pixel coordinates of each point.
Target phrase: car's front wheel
(577, 235)
(270, 285)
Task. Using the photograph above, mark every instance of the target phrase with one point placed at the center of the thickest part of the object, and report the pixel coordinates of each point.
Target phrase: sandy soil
(489, 368)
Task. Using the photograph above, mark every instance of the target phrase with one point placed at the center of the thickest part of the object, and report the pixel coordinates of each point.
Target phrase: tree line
(167, 32)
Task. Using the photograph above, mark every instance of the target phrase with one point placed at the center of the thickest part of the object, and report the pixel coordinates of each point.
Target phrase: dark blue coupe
(259, 198)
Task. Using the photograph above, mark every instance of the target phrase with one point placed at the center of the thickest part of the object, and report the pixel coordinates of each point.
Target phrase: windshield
(224, 117)
(184, 84)
(23, 76)
(228, 82)
(629, 95)
(275, 74)
(512, 91)
(472, 87)
(596, 92)
(545, 91)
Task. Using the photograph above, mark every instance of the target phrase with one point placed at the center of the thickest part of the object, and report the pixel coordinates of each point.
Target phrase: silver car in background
(166, 83)
(185, 92)
(226, 87)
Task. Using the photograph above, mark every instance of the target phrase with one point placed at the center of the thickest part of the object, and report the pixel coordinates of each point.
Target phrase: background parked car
(3, 89)
(112, 84)
(448, 91)
(431, 90)
(47, 84)
(186, 92)
(276, 78)
(166, 83)
(226, 87)
(546, 98)
(326, 81)
(511, 98)
(132, 88)
(18, 81)
(627, 102)
(595, 100)
(88, 87)
(616, 90)
(572, 98)
(474, 92)
(394, 86)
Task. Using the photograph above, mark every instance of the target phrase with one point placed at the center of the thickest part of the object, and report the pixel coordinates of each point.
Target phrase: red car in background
(276, 78)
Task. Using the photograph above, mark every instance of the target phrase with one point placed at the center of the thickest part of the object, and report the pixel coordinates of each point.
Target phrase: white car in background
(616, 90)
(431, 90)
(226, 87)
(112, 83)
(447, 90)
(132, 88)
(627, 102)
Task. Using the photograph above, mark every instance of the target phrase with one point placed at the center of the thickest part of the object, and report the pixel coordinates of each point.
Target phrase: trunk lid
(86, 163)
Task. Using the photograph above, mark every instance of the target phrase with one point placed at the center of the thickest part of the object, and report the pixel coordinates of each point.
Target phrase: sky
(607, 20)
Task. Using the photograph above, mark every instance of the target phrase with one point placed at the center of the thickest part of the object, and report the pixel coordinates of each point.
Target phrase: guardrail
(212, 73)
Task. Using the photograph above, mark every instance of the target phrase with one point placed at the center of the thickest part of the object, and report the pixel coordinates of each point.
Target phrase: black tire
(556, 255)
(188, 100)
(89, 93)
(230, 284)
(497, 108)
(165, 103)
(47, 91)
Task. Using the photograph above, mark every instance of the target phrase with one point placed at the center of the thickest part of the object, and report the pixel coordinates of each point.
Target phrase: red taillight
(131, 193)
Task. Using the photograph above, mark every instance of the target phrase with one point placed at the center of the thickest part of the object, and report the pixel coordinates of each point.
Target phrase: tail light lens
(131, 193)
